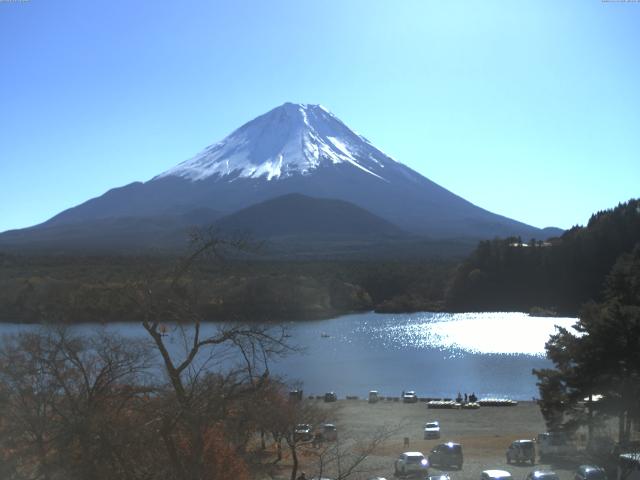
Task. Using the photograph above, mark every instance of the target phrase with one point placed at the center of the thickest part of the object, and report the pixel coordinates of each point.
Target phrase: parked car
(442, 476)
(302, 432)
(330, 397)
(295, 395)
(554, 444)
(447, 454)
(542, 475)
(628, 466)
(521, 451)
(410, 397)
(410, 463)
(431, 430)
(495, 475)
(373, 396)
(590, 472)
(329, 432)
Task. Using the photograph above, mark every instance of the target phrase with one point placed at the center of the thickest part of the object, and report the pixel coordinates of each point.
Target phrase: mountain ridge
(305, 149)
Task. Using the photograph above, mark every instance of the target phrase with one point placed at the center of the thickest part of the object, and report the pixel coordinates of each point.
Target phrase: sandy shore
(484, 433)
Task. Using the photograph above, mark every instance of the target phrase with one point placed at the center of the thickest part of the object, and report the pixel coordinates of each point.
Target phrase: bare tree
(346, 457)
(283, 421)
(67, 404)
(239, 353)
(77, 407)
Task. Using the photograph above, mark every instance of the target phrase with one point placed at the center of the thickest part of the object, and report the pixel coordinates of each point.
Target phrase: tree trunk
(627, 427)
(294, 459)
(278, 441)
(590, 412)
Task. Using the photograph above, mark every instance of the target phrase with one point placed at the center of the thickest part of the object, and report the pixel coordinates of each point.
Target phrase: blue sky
(529, 109)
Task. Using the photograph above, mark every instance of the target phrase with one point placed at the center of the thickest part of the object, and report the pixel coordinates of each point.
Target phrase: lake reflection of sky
(436, 354)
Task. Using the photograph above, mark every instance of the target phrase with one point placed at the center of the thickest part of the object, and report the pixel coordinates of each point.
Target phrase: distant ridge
(301, 215)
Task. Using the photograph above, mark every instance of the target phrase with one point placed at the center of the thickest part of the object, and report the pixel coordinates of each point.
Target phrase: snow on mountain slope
(288, 140)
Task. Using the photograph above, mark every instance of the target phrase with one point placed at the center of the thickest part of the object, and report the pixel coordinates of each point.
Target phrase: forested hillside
(503, 274)
(560, 275)
(86, 289)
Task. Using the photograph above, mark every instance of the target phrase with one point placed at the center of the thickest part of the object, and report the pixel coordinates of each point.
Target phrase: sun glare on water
(493, 332)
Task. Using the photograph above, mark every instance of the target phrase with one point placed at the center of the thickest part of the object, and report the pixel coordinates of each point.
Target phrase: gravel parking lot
(484, 433)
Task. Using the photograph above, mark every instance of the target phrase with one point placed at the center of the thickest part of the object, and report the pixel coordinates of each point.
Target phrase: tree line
(559, 275)
(93, 288)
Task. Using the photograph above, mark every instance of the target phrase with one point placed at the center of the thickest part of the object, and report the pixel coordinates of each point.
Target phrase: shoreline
(329, 315)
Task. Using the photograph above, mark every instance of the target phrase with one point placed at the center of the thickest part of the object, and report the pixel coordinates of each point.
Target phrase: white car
(542, 475)
(410, 463)
(495, 475)
(410, 397)
(431, 430)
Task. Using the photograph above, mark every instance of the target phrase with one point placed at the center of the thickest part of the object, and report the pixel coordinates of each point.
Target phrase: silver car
(495, 475)
(431, 430)
(542, 475)
(410, 463)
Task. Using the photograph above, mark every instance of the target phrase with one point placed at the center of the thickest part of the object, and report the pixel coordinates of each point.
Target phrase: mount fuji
(292, 149)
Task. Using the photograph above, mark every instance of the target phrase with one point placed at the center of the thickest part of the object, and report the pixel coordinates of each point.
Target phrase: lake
(435, 354)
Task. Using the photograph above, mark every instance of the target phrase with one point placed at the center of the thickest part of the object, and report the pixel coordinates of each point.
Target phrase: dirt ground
(484, 433)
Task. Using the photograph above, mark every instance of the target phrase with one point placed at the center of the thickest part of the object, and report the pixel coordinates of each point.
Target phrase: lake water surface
(435, 354)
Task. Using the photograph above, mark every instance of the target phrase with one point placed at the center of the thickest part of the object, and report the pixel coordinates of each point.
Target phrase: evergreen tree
(600, 360)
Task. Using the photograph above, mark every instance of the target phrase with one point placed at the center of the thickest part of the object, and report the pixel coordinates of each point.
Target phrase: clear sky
(530, 109)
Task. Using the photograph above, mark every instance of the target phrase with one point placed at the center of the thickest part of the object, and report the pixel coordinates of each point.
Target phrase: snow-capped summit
(288, 140)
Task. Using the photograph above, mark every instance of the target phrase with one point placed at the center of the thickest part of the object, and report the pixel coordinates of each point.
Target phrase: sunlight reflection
(493, 332)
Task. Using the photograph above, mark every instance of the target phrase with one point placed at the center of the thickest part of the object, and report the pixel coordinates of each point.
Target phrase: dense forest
(555, 276)
(95, 288)
(558, 275)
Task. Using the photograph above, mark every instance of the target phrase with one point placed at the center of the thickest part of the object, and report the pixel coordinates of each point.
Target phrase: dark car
(329, 432)
(295, 395)
(303, 432)
(447, 454)
(521, 451)
(590, 472)
(330, 397)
